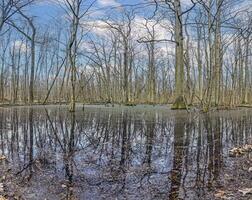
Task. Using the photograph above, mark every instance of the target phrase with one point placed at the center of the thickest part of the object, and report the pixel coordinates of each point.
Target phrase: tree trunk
(199, 60)
(125, 72)
(246, 63)
(179, 68)
(217, 69)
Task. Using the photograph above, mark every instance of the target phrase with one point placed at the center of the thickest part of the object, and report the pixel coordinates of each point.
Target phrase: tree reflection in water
(118, 153)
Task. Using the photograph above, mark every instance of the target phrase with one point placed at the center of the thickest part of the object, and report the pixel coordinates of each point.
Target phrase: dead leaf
(2, 198)
(220, 194)
(246, 191)
(2, 157)
(247, 147)
(250, 169)
(1, 187)
(239, 151)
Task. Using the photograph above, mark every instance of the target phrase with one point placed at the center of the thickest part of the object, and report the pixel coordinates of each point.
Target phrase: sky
(46, 10)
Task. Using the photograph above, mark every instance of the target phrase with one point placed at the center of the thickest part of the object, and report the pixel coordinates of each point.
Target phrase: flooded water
(143, 152)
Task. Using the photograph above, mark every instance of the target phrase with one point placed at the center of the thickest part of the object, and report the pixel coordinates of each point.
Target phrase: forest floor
(236, 181)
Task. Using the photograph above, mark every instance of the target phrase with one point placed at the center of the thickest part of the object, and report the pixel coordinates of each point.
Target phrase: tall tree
(75, 12)
(124, 30)
(176, 7)
(31, 37)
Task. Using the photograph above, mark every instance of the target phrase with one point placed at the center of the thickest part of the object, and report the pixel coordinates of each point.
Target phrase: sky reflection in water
(124, 153)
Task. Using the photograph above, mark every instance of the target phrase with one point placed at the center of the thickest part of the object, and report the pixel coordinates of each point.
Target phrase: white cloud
(108, 3)
(162, 28)
(55, 1)
(45, 2)
(97, 27)
(19, 45)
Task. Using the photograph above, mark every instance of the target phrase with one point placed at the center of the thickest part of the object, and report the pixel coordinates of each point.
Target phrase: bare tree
(31, 37)
(75, 12)
(9, 7)
(124, 29)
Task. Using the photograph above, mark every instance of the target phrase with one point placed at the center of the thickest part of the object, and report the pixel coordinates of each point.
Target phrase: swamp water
(142, 152)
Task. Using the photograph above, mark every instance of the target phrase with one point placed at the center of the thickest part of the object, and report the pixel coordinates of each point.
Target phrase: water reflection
(118, 153)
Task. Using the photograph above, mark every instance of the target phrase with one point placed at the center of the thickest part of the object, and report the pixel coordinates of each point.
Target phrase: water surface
(143, 152)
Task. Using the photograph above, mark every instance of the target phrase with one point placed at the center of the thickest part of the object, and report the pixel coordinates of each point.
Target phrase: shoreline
(194, 108)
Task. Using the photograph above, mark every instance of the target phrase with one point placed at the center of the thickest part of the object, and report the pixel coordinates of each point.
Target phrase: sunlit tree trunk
(247, 73)
(179, 62)
(218, 59)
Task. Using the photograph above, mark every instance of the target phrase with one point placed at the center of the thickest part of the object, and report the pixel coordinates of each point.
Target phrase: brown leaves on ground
(220, 194)
(2, 198)
(1, 187)
(239, 151)
(246, 191)
(2, 157)
(2, 190)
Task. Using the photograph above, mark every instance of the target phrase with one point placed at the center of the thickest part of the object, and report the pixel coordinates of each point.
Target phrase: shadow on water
(117, 153)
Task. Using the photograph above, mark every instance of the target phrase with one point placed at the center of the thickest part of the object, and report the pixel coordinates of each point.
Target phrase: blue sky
(46, 10)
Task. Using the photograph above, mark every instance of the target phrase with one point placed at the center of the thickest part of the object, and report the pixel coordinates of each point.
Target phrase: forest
(125, 99)
(189, 52)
